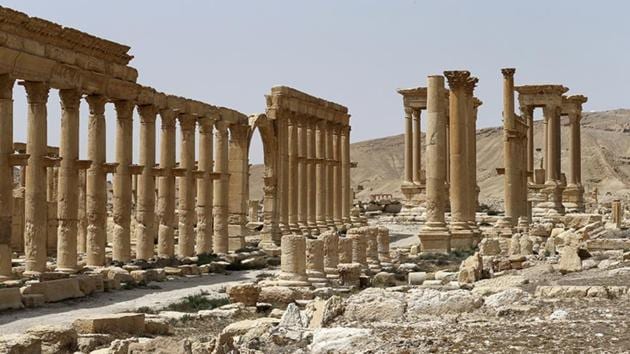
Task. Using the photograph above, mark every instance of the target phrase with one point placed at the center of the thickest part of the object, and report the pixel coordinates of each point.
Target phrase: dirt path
(64, 313)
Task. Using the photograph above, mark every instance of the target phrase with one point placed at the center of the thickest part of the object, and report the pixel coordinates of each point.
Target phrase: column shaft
(320, 172)
(122, 182)
(311, 179)
(186, 212)
(221, 185)
(346, 190)
(6, 174)
(283, 174)
(145, 205)
(576, 163)
(416, 146)
(528, 117)
(68, 198)
(408, 178)
(293, 175)
(82, 228)
(302, 179)
(166, 190)
(330, 184)
(96, 183)
(205, 187)
(35, 215)
(337, 180)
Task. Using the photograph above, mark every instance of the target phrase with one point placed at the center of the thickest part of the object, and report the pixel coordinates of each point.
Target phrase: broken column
(383, 244)
(359, 246)
(371, 235)
(68, 205)
(293, 262)
(315, 263)
(617, 213)
(35, 215)
(434, 235)
(331, 253)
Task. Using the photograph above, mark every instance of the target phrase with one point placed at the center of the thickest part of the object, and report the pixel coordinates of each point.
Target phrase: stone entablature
(540, 95)
(289, 99)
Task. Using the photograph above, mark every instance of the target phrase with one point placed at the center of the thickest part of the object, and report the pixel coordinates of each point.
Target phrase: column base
(67, 270)
(462, 239)
(552, 203)
(317, 279)
(435, 240)
(573, 198)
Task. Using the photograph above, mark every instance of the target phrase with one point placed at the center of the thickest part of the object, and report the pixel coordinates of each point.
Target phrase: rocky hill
(605, 158)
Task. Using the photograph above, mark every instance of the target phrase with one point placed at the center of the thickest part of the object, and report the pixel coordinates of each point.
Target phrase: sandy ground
(64, 313)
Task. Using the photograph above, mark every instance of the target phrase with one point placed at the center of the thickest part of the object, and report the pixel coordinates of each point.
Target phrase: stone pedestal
(315, 263)
(345, 250)
(293, 261)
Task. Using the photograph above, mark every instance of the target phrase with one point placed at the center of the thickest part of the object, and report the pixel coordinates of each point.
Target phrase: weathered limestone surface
(129, 323)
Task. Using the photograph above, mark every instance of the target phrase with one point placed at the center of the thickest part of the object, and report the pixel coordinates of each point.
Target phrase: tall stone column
(330, 184)
(553, 184)
(186, 212)
(302, 179)
(575, 175)
(221, 185)
(416, 146)
(6, 174)
(461, 234)
(546, 145)
(283, 174)
(96, 183)
(511, 162)
(122, 182)
(68, 198)
(311, 178)
(35, 215)
(408, 177)
(205, 187)
(346, 189)
(52, 178)
(166, 190)
(527, 112)
(473, 146)
(321, 186)
(293, 175)
(145, 206)
(337, 178)
(471, 155)
(434, 235)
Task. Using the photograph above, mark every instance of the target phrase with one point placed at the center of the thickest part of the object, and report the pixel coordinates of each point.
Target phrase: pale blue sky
(354, 52)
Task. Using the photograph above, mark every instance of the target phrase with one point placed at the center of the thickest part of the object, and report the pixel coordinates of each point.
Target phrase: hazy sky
(356, 53)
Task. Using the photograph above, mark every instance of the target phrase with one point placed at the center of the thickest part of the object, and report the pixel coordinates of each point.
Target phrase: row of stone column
(463, 190)
(314, 178)
(319, 261)
(35, 199)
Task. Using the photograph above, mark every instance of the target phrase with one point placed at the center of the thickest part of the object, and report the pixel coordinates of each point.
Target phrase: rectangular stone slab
(10, 298)
(132, 323)
(55, 290)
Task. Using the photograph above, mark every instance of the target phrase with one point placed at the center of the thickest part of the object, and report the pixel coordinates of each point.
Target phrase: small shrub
(194, 303)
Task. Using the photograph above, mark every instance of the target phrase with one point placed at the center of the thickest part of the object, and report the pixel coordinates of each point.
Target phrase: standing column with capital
(471, 155)
(293, 175)
(337, 180)
(186, 211)
(321, 186)
(330, 185)
(434, 235)
(122, 182)
(283, 174)
(221, 185)
(68, 197)
(527, 112)
(574, 193)
(553, 184)
(145, 205)
(6, 174)
(510, 137)
(346, 189)
(205, 187)
(302, 179)
(35, 212)
(408, 177)
(461, 234)
(311, 178)
(166, 190)
(96, 183)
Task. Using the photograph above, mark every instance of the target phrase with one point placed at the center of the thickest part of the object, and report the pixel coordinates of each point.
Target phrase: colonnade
(312, 158)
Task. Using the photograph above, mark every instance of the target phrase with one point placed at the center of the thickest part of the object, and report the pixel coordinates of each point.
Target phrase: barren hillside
(605, 158)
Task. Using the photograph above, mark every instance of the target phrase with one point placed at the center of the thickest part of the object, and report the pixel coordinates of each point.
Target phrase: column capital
(206, 124)
(148, 113)
(508, 72)
(70, 98)
(526, 110)
(408, 112)
(124, 109)
(96, 104)
(221, 126)
(470, 85)
(6, 86)
(415, 114)
(187, 121)
(457, 78)
(167, 117)
(36, 91)
(477, 102)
